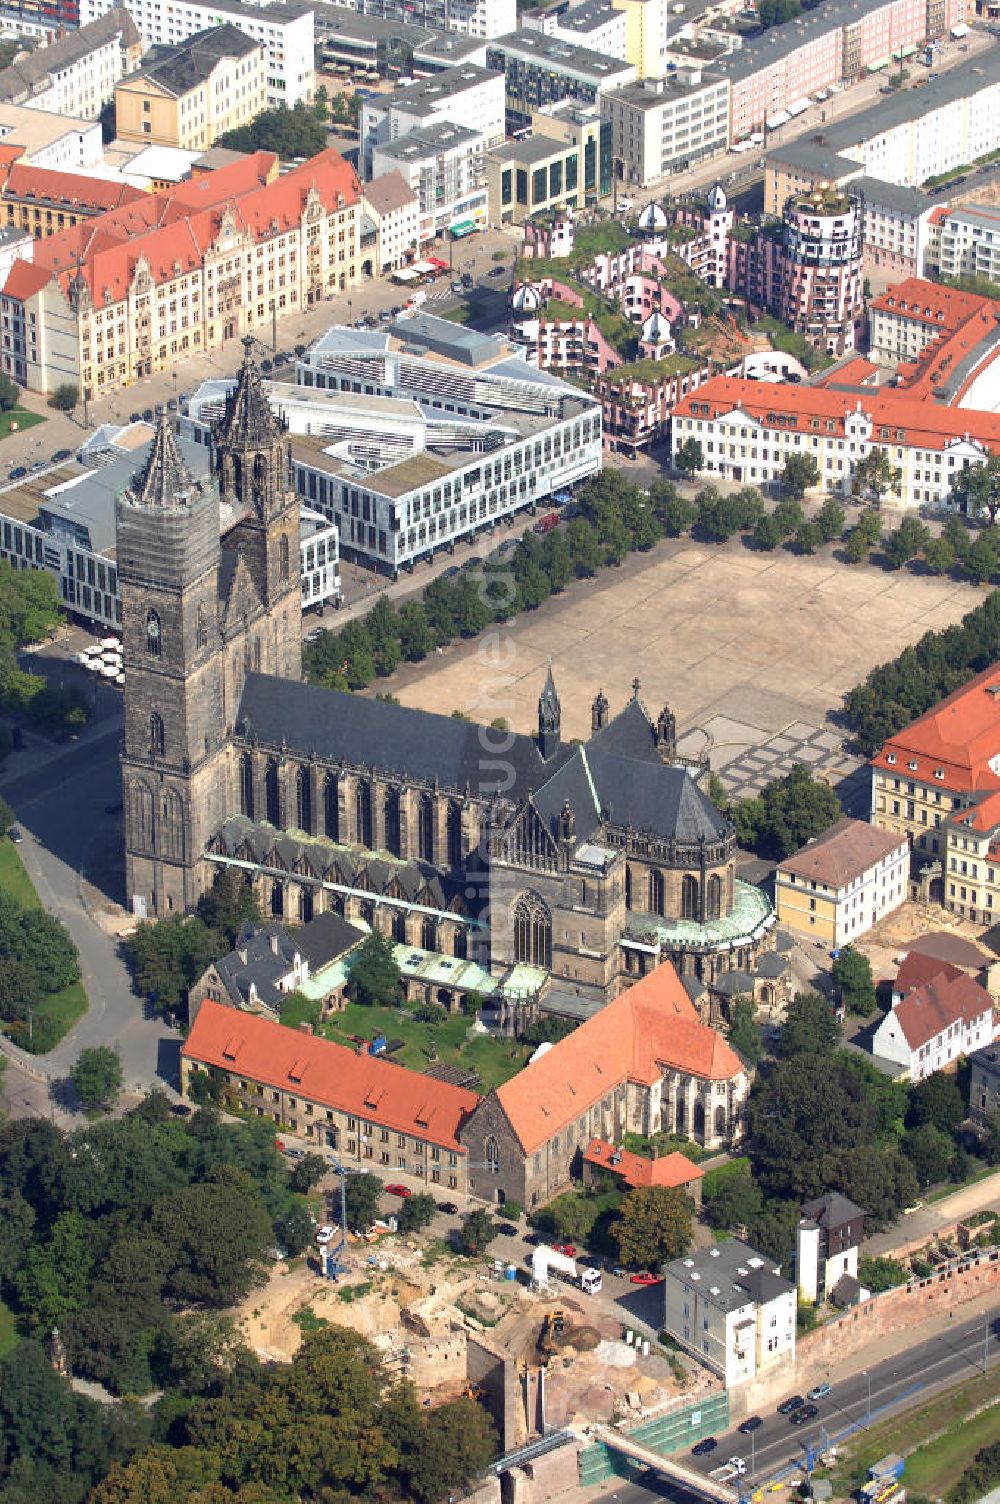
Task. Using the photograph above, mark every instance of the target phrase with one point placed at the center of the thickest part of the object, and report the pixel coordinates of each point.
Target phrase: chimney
(274, 944)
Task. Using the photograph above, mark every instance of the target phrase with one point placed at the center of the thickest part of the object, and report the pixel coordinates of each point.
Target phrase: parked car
(324, 1234)
(15, 835)
(794, 1402)
(498, 271)
(449, 1208)
(807, 1413)
(60, 455)
(400, 1190)
(703, 1447)
(467, 280)
(567, 1249)
(738, 1466)
(300, 349)
(646, 1277)
(267, 367)
(172, 404)
(135, 417)
(752, 1423)
(456, 287)
(18, 471)
(293, 1153)
(819, 1391)
(507, 1229)
(39, 464)
(148, 415)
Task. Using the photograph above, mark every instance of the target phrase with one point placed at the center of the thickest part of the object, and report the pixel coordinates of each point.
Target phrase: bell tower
(173, 758)
(549, 717)
(253, 467)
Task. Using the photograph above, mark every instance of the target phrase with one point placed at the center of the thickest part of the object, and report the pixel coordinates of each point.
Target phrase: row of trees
(29, 612)
(896, 692)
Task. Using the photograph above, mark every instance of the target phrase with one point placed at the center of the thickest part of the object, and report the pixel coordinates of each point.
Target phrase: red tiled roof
(941, 1002)
(71, 188)
(329, 1074)
(917, 970)
(957, 737)
(843, 852)
(928, 302)
(25, 279)
(673, 1169)
(651, 1026)
(923, 424)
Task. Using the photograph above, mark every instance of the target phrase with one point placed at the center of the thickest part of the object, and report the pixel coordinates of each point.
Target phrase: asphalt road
(947, 1359)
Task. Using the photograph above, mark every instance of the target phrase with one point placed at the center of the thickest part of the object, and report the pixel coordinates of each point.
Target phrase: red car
(399, 1190)
(565, 1248)
(646, 1278)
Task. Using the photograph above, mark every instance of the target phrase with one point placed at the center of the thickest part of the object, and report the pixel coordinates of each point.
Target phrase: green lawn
(21, 417)
(943, 1417)
(8, 1329)
(58, 1011)
(496, 1060)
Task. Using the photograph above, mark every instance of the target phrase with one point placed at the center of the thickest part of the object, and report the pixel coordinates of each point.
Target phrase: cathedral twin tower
(200, 611)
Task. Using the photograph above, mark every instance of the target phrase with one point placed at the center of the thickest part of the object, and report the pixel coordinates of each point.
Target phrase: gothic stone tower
(253, 468)
(173, 761)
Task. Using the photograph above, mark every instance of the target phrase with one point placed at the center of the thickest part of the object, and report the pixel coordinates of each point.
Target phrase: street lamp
(868, 1411)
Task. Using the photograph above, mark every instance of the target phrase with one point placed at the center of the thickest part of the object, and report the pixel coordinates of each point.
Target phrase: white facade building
(319, 560)
(967, 242)
(662, 126)
(394, 209)
(827, 1241)
(443, 167)
(930, 1025)
(464, 95)
(286, 35)
(421, 434)
(730, 1307)
(593, 24)
(75, 75)
(844, 882)
(473, 18)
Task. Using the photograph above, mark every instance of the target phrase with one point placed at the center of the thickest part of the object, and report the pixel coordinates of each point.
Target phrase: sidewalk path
(922, 1225)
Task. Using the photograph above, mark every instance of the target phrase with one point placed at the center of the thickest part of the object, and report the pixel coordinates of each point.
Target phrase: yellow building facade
(189, 94)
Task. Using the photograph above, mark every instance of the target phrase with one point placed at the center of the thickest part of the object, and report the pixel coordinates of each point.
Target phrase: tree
(653, 1225)
(97, 1077)
(878, 1177)
(929, 1151)
(936, 1099)
(940, 556)
(875, 475)
(305, 1172)
(674, 512)
(416, 1212)
(976, 488)
(457, 1442)
(65, 397)
(690, 457)
(789, 812)
(168, 956)
(830, 520)
(10, 393)
(476, 1232)
(375, 978)
(584, 547)
(416, 639)
(744, 1030)
(290, 132)
(808, 538)
(981, 559)
(809, 1028)
(733, 1202)
(229, 904)
(788, 516)
(361, 1200)
(215, 1235)
(52, 1281)
(908, 540)
(799, 475)
(767, 534)
(852, 976)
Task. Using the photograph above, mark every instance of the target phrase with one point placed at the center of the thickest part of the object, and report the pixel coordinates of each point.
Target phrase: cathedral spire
(164, 480)
(248, 422)
(549, 716)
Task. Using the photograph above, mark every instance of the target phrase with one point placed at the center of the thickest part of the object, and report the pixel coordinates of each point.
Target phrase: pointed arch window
(425, 828)
(303, 800)
(201, 628)
(172, 843)
(713, 897)
(428, 934)
(156, 734)
(656, 892)
(272, 800)
(392, 821)
(363, 813)
(492, 1150)
(689, 897)
(154, 637)
(456, 845)
(331, 808)
(283, 562)
(628, 886)
(532, 932)
(246, 786)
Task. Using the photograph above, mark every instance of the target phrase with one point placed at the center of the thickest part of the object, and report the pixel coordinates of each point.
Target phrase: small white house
(826, 1245)
(730, 1307)
(933, 1020)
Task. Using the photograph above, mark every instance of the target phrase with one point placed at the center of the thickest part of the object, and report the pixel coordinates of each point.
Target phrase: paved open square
(753, 651)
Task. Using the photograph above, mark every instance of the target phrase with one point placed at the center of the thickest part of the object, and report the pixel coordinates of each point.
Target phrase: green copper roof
(750, 915)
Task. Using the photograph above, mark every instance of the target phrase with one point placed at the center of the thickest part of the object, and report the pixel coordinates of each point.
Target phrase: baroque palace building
(565, 870)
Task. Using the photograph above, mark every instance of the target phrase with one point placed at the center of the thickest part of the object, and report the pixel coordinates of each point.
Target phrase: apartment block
(464, 96)
(475, 18)
(592, 24)
(542, 70)
(565, 162)
(394, 209)
(75, 75)
(392, 49)
(967, 241)
(730, 1307)
(286, 34)
(442, 165)
(188, 93)
(662, 126)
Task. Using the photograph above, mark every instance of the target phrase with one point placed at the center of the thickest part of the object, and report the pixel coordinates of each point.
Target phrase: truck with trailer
(545, 1261)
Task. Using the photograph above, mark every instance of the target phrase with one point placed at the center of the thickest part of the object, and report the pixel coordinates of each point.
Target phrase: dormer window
(891, 757)
(912, 766)
(939, 772)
